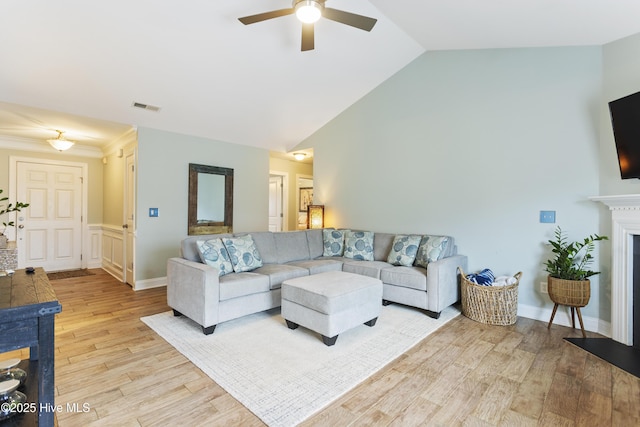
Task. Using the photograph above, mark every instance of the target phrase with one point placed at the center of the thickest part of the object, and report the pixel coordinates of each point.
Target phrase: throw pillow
(333, 242)
(243, 253)
(403, 250)
(358, 245)
(213, 253)
(431, 249)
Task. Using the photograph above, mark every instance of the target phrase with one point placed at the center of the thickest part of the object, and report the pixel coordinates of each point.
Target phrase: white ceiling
(78, 66)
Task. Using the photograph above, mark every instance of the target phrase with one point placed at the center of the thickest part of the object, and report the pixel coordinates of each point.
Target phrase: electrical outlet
(543, 288)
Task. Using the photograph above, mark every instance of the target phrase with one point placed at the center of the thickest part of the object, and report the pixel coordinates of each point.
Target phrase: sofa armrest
(443, 286)
(193, 289)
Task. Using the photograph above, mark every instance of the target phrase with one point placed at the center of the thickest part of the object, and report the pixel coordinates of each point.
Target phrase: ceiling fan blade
(307, 37)
(264, 16)
(358, 21)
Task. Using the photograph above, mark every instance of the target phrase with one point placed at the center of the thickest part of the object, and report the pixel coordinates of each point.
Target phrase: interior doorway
(277, 209)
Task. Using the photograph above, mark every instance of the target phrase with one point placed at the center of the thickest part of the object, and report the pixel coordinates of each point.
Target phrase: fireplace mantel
(625, 223)
(624, 202)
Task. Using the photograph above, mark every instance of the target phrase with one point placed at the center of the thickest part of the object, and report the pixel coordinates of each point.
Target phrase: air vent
(146, 106)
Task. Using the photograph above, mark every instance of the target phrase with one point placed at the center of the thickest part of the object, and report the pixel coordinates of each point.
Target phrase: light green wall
(473, 144)
(94, 209)
(162, 179)
(294, 169)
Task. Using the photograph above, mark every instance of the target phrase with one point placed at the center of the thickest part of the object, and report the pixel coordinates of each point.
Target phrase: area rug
(624, 357)
(69, 274)
(284, 376)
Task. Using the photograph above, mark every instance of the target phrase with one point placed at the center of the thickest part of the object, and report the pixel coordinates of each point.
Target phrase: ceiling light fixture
(60, 143)
(308, 11)
(299, 156)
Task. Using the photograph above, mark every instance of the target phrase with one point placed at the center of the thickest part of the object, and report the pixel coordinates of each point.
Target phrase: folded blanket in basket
(484, 278)
(504, 281)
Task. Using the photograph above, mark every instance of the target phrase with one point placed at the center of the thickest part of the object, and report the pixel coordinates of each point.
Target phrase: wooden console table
(28, 306)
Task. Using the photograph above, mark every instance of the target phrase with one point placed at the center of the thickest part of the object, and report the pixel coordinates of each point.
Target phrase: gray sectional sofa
(196, 289)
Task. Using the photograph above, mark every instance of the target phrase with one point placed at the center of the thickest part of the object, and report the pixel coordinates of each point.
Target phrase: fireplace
(625, 217)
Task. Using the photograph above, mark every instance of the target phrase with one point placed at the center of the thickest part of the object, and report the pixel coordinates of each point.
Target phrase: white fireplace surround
(625, 216)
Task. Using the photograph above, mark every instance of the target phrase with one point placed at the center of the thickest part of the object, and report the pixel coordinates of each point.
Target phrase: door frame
(13, 191)
(129, 255)
(285, 197)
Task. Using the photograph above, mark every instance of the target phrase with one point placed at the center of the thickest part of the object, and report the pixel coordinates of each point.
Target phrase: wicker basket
(492, 305)
(574, 293)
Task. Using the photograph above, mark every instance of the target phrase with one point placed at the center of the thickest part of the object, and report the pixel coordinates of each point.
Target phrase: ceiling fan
(309, 11)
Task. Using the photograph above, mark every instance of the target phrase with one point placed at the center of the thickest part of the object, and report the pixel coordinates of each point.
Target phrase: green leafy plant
(6, 209)
(572, 259)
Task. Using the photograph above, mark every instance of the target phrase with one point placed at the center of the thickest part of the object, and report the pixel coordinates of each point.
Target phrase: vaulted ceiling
(79, 66)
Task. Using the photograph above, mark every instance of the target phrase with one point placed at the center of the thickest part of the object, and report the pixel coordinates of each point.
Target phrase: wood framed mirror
(210, 199)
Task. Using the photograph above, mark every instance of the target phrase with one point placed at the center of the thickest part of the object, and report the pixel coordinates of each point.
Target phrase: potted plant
(5, 210)
(569, 271)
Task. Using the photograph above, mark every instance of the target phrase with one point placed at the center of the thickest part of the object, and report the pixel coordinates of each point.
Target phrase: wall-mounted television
(625, 118)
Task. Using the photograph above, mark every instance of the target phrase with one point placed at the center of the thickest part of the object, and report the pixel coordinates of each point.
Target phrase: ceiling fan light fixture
(60, 143)
(308, 11)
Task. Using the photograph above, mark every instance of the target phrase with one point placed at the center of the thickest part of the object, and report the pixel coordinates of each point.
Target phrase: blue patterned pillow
(333, 242)
(403, 250)
(243, 253)
(213, 253)
(359, 245)
(432, 248)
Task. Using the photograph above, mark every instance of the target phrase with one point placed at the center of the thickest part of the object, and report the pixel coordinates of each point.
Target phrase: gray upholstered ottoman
(331, 303)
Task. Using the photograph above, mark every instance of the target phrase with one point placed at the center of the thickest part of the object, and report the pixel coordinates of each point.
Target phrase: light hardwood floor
(465, 373)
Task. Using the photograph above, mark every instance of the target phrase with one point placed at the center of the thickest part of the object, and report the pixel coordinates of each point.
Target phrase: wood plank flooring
(466, 373)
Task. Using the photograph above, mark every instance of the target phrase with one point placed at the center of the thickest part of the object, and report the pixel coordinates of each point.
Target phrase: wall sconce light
(315, 216)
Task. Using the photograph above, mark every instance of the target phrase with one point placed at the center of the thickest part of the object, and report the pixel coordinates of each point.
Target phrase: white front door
(275, 203)
(49, 231)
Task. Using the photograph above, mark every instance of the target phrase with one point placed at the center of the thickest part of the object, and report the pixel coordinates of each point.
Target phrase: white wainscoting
(113, 251)
(92, 257)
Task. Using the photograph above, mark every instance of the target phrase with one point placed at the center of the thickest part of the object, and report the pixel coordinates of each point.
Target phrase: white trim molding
(625, 217)
(156, 282)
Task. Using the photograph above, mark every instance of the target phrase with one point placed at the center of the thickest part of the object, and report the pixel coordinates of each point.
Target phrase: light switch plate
(153, 212)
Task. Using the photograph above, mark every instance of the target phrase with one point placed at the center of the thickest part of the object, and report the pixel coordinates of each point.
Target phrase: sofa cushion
(315, 242)
(189, 248)
(266, 245)
(358, 245)
(213, 253)
(407, 277)
(241, 284)
(382, 245)
(365, 268)
(432, 248)
(243, 253)
(316, 266)
(291, 246)
(404, 250)
(333, 242)
(278, 273)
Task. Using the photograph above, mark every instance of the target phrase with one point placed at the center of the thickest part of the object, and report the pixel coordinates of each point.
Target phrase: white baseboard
(156, 282)
(563, 317)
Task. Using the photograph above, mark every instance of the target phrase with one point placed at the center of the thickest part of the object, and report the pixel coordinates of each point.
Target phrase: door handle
(21, 226)
(125, 226)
